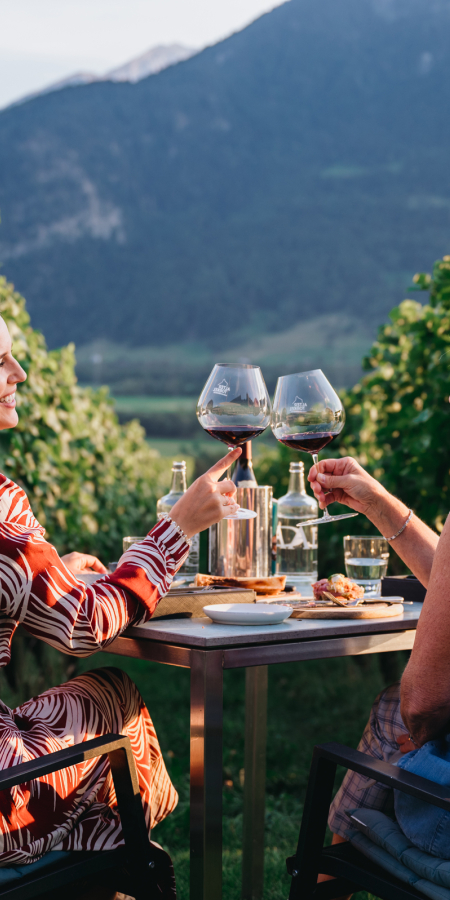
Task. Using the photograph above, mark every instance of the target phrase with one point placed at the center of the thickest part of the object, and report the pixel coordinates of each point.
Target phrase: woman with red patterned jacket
(76, 809)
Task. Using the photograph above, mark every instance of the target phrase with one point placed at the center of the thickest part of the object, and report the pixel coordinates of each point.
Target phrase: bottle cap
(178, 466)
(296, 467)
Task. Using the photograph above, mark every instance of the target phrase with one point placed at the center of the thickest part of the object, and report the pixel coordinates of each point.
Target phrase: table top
(206, 634)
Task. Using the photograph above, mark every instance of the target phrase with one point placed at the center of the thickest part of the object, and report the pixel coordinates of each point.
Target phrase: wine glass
(307, 415)
(234, 407)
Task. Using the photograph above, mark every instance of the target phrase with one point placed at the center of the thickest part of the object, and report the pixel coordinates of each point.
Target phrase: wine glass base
(325, 519)
(242, 514)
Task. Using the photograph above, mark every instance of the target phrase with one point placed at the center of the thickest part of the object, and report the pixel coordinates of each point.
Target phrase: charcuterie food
(338, 586)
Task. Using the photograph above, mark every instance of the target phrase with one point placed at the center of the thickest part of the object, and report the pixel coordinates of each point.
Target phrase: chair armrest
(386, 773)
(142, 861)
(61, 759)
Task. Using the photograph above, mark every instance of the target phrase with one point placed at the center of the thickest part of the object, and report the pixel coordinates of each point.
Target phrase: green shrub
(89, 480)
(398, 417)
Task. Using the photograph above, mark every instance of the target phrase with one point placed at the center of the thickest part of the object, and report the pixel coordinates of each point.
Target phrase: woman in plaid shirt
(405, 716)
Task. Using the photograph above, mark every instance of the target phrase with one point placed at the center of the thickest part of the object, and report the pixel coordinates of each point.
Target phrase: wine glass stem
(325, 513)
(229, 467)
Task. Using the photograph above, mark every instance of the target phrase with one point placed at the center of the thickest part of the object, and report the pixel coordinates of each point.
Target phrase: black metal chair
(351, 869)
(140, 868)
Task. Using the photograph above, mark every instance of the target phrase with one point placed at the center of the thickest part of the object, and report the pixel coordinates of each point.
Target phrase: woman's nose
(17, 375)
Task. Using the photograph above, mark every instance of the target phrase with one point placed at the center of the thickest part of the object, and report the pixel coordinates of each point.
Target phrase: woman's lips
(9, 401)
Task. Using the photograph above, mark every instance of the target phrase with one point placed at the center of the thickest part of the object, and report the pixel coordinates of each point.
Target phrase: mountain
(296, 170)
(149, 63)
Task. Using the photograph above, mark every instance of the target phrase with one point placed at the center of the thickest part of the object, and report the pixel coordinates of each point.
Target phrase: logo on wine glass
(298, 405)
(222, 388)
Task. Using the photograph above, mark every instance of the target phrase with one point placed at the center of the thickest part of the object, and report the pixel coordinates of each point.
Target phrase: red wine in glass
(234, 407)
(237, 437)
(307, 415)
(310, 442)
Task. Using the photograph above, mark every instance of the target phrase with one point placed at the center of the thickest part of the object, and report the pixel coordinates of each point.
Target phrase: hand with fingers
(78, 563)
(345, 481)
(208, 500)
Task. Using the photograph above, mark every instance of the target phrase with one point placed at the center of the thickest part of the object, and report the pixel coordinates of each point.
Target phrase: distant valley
(336, 343)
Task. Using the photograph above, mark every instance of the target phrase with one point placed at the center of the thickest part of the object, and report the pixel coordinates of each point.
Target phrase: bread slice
(272, 585)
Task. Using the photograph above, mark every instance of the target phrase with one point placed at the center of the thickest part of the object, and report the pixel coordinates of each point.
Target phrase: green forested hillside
(298, 169)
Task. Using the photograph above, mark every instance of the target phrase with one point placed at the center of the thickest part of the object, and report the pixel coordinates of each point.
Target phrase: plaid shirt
(379, 740)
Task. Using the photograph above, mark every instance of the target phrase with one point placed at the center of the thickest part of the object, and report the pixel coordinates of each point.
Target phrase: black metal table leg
(206, 774)
(256, 679)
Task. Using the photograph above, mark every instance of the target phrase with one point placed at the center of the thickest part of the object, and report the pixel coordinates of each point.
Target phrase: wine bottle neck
(297, 479)
(178, 480)
(246, 455)
(243, 471)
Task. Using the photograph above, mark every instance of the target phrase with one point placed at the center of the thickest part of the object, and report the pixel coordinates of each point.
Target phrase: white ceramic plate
(247, 613)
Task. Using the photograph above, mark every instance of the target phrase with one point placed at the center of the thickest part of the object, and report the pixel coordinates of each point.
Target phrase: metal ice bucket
(244, 546)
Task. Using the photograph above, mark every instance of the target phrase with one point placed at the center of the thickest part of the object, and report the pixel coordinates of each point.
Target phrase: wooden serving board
(371, 611)
(282, 597)
(188, 603)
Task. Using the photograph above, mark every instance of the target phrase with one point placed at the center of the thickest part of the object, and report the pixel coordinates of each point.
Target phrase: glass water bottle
(297, 545)
(166, 504)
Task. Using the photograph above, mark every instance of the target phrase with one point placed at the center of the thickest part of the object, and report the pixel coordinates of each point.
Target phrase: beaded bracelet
(177, 528)
(402, 528)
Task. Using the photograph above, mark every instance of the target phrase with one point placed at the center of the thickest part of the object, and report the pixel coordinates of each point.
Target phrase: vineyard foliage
(398, 417)
(89, 480)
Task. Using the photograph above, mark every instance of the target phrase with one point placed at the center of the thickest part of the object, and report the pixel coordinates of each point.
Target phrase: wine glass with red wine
(307, 415)
(234, 407)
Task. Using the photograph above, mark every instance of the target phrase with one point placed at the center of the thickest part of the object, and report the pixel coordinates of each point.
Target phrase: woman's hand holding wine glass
(343, 480)
(207, 500)
(307, 415)
(234, 407)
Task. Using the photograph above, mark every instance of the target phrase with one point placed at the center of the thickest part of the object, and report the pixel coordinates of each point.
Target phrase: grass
(309, 702)
(146, 405)
(191, 447)
(185, 447)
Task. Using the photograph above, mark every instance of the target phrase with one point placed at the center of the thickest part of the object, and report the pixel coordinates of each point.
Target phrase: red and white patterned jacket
(38, 591)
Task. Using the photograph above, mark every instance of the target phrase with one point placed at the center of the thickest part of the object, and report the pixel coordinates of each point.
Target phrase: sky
(42, 41)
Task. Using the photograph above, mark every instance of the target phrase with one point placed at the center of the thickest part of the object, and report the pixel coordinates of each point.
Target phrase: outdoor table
(207, 649)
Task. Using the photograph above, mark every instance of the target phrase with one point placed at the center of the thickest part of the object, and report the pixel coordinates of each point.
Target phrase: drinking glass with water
(366, 561)
(128, 541)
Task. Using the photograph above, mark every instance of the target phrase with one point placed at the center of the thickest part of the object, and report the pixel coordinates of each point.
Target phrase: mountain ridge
(294, 170)
(151, 62)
